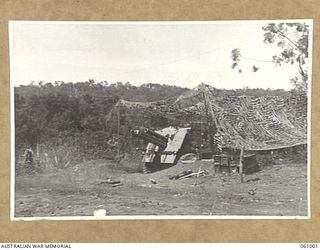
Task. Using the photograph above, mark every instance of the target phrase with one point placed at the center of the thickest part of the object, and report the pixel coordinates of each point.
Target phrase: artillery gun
(164, 146)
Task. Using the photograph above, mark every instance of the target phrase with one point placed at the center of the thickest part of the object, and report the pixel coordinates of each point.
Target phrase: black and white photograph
(160, 120)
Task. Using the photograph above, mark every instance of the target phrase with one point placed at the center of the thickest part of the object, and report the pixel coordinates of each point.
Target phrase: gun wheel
(146, 169)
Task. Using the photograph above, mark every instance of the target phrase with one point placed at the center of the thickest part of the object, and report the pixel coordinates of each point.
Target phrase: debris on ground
(110, 181)
(153, 181)
(200, 173)
(183, 173)
(187, 174)
(99, 211)
(116, 185)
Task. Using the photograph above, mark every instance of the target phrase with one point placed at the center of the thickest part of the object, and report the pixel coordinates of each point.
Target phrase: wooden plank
(193, 174)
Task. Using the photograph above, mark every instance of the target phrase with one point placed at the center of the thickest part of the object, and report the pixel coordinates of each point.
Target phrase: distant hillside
(62, 114)
(77, 119)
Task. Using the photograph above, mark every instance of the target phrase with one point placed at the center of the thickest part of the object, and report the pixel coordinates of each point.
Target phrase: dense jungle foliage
(65, 123)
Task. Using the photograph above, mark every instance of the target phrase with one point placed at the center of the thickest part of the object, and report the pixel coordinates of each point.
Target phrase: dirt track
(279, 190)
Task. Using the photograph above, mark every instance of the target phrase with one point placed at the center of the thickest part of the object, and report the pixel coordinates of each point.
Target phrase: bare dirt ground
(278, 190)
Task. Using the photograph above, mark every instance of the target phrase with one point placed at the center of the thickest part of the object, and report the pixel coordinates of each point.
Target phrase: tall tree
(293, 39)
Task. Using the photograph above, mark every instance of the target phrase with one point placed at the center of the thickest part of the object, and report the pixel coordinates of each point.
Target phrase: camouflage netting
(258, 123)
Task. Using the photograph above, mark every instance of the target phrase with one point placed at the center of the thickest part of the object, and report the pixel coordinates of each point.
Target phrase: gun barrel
(151, 136)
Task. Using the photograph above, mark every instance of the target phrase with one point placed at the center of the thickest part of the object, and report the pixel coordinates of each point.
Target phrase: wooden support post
(241, 163)
(118, 128)
(214, 165)
(229, 159)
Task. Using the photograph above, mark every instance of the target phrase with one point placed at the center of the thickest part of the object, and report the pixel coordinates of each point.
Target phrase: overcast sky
(183, 54)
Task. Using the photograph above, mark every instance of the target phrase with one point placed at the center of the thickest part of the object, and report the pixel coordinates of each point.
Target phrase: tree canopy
(293, 39)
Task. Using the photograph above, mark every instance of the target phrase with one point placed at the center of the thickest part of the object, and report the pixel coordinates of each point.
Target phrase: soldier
(29, 163)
